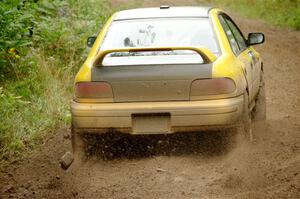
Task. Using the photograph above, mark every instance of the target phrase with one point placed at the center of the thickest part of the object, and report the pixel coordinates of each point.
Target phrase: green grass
(42, 45)
(284, 13)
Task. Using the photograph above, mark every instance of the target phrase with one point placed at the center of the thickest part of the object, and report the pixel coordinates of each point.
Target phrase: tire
(244, 127)
(78, 145)
(259, 111)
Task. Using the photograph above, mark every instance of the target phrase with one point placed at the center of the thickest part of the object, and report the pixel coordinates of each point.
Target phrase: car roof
(162, 12)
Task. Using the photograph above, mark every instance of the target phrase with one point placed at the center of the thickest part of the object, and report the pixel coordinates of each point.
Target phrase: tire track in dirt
(203, 165)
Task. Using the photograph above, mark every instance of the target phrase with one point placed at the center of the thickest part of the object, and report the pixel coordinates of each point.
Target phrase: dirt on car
(193, 165)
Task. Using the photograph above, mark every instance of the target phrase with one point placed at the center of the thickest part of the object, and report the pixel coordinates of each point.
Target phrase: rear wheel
(244, 127)
(78, 145)
(259, 111)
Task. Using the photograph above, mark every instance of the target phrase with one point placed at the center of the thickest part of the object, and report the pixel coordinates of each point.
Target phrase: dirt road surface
(200, 165)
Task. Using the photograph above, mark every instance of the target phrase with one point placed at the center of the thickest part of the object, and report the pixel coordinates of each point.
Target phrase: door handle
(253, 57)
(250, 53)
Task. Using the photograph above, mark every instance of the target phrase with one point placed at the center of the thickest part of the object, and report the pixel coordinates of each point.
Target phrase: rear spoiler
(206, 54)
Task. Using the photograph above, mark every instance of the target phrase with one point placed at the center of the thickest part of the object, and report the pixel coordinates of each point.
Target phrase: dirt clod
(160, 170)
(67, 135)
(66, 160)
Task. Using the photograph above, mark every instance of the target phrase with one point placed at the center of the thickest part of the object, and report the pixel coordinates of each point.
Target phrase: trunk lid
(152, 82)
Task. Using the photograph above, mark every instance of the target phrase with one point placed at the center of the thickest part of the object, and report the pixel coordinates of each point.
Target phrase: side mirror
(91, 41)
(255, 38)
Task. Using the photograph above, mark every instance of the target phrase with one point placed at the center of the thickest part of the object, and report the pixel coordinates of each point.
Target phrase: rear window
(159, 32)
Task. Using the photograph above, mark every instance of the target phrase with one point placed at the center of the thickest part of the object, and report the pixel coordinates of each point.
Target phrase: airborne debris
(66, 160)
(67, 135)
(160, 170)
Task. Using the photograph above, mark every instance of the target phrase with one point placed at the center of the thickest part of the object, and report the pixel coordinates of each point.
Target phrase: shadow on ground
(112, 146)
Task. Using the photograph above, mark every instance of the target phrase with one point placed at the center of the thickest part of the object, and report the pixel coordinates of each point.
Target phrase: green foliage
(42, 45)
(277, 12)
(18, 22)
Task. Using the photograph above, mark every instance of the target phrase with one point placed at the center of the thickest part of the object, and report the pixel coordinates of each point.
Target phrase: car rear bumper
(179, 116)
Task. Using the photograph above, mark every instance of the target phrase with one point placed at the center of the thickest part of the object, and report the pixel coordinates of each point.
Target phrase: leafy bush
(42, 45)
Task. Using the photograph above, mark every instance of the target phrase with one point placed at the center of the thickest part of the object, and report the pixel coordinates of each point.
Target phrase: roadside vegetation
(284, 13)
(42, 45)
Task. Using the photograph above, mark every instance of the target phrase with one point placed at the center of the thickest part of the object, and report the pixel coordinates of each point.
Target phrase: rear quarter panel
(227, 65)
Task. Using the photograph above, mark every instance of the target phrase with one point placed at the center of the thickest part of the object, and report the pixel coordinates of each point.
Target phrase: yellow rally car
(166, 70)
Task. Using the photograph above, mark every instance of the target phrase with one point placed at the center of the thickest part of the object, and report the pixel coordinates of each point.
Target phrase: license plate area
(155, 123)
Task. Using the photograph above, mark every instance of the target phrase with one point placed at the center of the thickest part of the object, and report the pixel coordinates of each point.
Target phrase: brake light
(93, 90)
(217, 86)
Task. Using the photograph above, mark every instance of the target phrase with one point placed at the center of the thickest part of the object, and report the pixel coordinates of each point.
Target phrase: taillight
(93, 90)
(216, 86)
